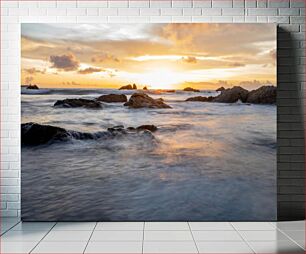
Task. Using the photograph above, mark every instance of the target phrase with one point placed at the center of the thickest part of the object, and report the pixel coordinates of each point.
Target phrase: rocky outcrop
(262, 95)
(33, 87)
(190, 89)
(113, 98)
(128, 87)
(78, 103)
(201, 98)
(220, 89)
(170, 91)
(142, 100)
(232, 95)
(147, 127)
(145, 88)
(33, 134)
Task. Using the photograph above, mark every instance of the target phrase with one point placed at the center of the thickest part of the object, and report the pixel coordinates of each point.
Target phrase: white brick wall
(289, 13)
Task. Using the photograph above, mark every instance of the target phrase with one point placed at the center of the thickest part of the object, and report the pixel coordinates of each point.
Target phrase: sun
(161, 79)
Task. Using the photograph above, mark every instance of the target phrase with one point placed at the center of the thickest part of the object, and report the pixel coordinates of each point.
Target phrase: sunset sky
(169, 56)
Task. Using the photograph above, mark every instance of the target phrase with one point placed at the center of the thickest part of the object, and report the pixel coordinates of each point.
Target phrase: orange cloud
(90, 70)
(189, 59)
(34, 71)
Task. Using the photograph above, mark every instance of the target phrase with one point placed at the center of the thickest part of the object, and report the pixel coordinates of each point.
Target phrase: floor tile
(276, 247)
(291, 225)
(253, 226)
(60, 247)
(169, 247)
(166, 226)
(211, 226)
(296, 235)
(23, 236)
(63, 226)
(67, 236)
(216, 236)
(33, 226)
(168, 236)
(114, 247)
(223, 247)
(106, 236)
(274, 235)
(119, 226)
(17, 247)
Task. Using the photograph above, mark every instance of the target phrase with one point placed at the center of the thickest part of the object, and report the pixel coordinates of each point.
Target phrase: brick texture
(289, 14)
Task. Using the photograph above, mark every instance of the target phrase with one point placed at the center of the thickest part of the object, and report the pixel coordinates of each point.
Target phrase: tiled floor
(152, 237)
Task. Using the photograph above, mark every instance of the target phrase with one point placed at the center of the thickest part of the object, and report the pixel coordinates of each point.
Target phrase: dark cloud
(189, 59)
(90, 70)
(34, 71)
(64, 62)
(104, 57)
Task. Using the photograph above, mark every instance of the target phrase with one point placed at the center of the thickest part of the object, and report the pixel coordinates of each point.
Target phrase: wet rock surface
(78, 103)
(141, 100)
(112, 98)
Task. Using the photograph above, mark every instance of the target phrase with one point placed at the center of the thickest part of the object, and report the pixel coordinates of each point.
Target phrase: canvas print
(155, 122)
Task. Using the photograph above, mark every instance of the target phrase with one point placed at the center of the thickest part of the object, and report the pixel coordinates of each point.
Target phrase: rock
(190, 89)
(33, 87)
(134, 87)
(77, 103)
(127, 87)
(151, 128)
(145, 88)
(170, 91)
(142, 100)
(262, 95)
(220, 89)
(113, 98)
(231, 95)
(201, 98)
(36, 134)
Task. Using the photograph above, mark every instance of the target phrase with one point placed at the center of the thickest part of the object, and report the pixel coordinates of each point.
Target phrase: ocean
(207, 162)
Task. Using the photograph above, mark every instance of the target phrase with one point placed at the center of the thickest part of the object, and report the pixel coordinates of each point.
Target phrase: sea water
(208, 161)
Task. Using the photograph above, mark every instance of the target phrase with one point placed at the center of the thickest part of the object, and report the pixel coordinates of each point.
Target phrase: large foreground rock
(33, 134)
(262, 95)
(201, 98)
(36, 134)
(113, 98)
(190, 89)
(220, 89)
(232, 95)
(78, 103)
(141, 100)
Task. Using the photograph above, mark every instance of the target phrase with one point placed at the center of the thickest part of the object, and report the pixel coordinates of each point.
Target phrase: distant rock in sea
(151, 128)
(232, 95)
(262, 95)
(112, 98)
(145, 88)
(220, 89)
(190, 89)
(33, 87)
(142, 100)
(201, 98)
(128, 87)
(78, 103)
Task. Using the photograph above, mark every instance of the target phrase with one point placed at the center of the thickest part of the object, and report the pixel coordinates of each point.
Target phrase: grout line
(42, 238)
(290, 238)
(90, 237)
(10, 228)
(143, 232)
(246, 242)
(193, 237)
